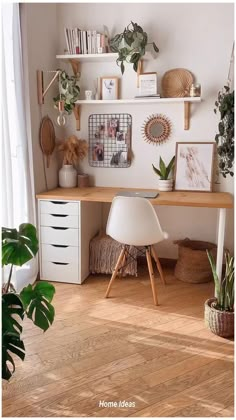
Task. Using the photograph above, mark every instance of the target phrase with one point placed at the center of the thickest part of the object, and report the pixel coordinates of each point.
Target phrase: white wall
(197, 37)
(39, 28)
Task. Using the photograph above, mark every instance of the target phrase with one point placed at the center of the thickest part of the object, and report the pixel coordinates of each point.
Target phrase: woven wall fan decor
(176, 83)
(47, 138)
(156, 129)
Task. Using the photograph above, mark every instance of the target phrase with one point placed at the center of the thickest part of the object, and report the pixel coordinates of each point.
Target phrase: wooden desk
(218, 200)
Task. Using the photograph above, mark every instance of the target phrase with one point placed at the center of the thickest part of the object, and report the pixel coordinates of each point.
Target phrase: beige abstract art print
(194, 166)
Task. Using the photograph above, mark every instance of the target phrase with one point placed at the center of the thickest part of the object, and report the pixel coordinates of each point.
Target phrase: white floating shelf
(95, 57)
(137, 101)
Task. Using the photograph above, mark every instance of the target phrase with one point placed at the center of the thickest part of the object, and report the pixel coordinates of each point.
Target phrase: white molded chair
(133, 221)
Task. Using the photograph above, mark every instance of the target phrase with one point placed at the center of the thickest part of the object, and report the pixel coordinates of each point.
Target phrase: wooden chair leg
(150, 269)
(114, 274)
(158, 264)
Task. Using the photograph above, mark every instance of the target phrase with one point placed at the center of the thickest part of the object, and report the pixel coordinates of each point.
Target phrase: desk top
(172, 198)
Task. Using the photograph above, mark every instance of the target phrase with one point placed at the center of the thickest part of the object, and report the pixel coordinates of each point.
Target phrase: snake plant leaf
(162, 167)
(18, 247)
(215, 276)
(12, 310)
(156, 170)
(11, 344)
(170, 166)
(36, 301)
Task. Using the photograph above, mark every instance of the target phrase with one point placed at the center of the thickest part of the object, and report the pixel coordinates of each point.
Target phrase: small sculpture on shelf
(73, 150)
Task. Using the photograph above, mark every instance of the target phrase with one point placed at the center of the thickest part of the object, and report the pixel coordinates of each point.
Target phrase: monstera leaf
(18, 247)
(36, 301)
(12, 310)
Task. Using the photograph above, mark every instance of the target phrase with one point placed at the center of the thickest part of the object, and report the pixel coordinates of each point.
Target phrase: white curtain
(18, 203)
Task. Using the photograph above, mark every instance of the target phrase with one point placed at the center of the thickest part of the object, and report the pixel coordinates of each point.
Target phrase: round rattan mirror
(156, 129)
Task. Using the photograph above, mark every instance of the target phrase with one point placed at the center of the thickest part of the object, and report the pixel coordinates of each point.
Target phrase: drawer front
(66, 273)
(60, 220)
(59, 236)
(60, 253)
(59, 207)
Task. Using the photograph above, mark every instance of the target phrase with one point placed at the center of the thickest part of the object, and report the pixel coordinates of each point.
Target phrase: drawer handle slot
(59, 263)
(59, 228)
(59, 202)
(59, 215)
(60, 246)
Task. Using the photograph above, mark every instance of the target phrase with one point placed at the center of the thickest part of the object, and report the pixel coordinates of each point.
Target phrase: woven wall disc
(176, 83)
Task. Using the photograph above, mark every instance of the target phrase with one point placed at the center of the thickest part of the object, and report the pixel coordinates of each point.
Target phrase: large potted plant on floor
(34, 302)
(219, 311)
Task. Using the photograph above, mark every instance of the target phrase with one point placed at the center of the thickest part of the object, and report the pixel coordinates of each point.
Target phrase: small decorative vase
(67, 176)
(165, 184)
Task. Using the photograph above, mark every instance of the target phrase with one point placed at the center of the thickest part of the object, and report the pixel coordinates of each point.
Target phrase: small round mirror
(156, 129)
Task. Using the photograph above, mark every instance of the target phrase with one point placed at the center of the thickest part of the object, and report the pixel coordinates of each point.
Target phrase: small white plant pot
(165, 184)
(67, 176)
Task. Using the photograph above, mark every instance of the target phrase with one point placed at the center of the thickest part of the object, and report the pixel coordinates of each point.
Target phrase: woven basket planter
(220, 322)
(193, 265)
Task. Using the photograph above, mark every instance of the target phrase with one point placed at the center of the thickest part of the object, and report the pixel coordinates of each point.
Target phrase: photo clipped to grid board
(110, 140)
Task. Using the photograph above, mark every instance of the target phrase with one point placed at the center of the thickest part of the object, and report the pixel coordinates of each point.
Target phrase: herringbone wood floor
(162, 359)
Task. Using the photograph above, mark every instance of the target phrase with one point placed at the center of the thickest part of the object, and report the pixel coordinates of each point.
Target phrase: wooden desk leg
(220, 242)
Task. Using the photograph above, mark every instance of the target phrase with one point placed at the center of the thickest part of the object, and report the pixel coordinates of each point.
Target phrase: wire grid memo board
(110, 140)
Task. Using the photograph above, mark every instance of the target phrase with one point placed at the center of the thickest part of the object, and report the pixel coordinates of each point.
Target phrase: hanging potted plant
(165, 182)
(219, 311)
(131, 45)
(69, 91)
(225, 136)
(73, 150)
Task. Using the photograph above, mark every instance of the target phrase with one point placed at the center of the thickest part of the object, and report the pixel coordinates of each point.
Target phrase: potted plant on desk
(219, 311)
(73, 150)
(165, 183)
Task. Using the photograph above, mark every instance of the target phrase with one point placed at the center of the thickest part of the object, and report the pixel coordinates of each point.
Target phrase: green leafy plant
(68, 91)
(225, 136)
(18, 247)
(164, 171)
(224, 289)
(131, 45)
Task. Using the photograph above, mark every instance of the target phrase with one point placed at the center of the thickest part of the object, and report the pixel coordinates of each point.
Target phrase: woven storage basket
(193, 265)
(220, 322)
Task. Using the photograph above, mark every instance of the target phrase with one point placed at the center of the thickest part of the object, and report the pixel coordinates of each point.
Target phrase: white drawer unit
(65, 230)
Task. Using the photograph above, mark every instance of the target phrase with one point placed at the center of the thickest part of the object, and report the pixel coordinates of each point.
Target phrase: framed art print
(194, 166)
(109, 87)
(147, 84)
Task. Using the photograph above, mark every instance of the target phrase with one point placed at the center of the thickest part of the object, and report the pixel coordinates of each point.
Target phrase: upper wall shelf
(89, 58)
(137, 101)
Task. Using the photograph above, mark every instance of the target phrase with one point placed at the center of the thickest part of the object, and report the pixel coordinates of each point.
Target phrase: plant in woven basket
(225, 137)
(73, 150)
(131, 45)
(219, 311)
(68, 91)
(19, 247)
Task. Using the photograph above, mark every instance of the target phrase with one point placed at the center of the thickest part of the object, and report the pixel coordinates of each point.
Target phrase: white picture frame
(194, 166)
(147, 84)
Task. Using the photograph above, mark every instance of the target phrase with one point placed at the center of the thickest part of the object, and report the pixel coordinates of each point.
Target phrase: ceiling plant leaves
(131, 45)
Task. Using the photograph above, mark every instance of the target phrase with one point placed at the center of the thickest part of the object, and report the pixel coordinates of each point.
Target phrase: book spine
(94, 42)
(89, 34)
(102, 42)
(98, 43)
(67, 41)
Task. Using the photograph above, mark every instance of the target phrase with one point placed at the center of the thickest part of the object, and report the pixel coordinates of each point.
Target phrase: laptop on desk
(143, 194)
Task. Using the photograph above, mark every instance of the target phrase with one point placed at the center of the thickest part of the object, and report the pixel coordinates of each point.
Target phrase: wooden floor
(160, 361)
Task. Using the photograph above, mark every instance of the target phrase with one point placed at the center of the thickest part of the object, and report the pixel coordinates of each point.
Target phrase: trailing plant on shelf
(69, 91)
(34, 302)
(131, 45)
(73, 150)
(219, 311)
(225, 136)
(164, 172)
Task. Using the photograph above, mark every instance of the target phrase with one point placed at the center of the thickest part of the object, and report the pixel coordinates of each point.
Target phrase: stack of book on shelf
(85, 42)
(156, 96)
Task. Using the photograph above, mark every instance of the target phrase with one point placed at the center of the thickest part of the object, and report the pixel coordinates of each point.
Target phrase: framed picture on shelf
(109, 87)
(194, 166)
(147, 84)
